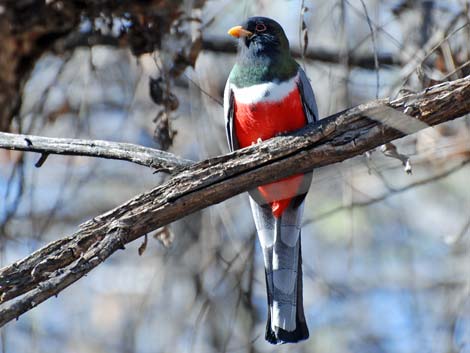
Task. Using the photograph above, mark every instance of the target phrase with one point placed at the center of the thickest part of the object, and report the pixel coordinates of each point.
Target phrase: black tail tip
(280, 336)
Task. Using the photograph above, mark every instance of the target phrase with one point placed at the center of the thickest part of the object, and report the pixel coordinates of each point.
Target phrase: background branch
(392, 191)
(149, 157)
(334, 139)
(365, 61)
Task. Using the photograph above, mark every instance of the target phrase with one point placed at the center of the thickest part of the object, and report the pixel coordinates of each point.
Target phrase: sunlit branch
(149, 157)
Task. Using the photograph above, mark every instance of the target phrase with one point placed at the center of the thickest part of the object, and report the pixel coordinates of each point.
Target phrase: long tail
(280, 241)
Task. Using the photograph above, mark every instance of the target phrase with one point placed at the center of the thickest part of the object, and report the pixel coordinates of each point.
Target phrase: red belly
(263, 121)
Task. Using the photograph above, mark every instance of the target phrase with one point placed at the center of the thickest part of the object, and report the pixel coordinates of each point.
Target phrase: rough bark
(28, 282)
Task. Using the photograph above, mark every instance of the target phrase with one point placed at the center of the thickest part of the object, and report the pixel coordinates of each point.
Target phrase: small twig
(143, 246)
(41, 160)
(12, 207)
(429, 48)
(464, 230)
(464, 65)
(303, 32)
(374, 44)
(203, 91)
(390, 150)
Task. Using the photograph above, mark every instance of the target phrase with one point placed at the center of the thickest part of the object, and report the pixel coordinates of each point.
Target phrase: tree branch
(366, 61)
(30, 281)
(149, 157)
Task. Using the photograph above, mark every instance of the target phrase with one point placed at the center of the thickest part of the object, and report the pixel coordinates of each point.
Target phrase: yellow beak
(239, 31)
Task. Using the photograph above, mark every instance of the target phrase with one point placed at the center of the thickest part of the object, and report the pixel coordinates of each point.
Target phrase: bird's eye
(260, 27)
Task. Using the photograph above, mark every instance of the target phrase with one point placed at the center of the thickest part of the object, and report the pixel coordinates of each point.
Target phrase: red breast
(264, 120)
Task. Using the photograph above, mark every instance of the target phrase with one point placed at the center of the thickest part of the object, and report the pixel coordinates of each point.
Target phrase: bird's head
(261, 35)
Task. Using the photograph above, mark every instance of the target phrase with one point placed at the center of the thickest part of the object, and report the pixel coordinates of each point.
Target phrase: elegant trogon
(268, 94)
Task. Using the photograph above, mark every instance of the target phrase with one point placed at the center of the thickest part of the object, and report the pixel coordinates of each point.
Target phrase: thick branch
(366, 61)
(334, 139)
(149, 157)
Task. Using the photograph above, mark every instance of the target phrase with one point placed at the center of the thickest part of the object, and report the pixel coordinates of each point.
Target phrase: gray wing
(228, 115)
(311, 112)
(308, 97)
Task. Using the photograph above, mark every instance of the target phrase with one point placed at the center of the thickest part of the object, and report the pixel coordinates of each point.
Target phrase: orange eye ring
(260, 27)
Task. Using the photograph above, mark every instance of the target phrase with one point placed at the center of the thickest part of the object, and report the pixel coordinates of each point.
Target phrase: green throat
(263, 69)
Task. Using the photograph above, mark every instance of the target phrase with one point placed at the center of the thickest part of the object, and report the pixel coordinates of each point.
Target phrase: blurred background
(386, 254)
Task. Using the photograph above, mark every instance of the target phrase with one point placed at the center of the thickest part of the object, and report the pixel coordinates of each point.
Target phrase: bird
(268, 94)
